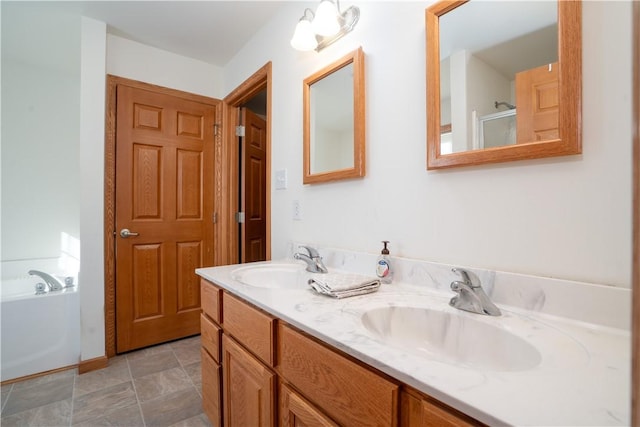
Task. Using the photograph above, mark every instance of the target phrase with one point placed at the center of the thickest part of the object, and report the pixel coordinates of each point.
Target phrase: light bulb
(303, 37)
(326, 22)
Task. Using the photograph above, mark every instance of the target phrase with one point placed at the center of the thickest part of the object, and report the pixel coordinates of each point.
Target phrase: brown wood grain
(419, 410)
(349, 393)
(359, 120)
(570, 108)
(248, 388)
(295, 411)
(113, 82)
(210, 337)
(211, 296)
(227, 236)
(635, 381)
(211, 388)
(250, 326)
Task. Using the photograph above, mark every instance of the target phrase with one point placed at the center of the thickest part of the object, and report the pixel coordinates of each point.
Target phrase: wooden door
(537, 104)
(248, 388)
(297, 412)
(253, 232)
(164, 195)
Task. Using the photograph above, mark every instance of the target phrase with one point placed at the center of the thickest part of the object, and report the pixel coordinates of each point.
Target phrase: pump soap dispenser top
(383, 265)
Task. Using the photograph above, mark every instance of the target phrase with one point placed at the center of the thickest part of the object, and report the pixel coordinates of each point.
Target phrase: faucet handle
(468, 277)
(458, 286)
(312, 252)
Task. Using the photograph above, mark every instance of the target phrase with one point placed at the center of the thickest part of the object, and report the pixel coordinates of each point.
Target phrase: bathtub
(38, 332)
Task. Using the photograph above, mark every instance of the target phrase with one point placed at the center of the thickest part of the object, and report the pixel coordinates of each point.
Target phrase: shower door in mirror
(164, 206)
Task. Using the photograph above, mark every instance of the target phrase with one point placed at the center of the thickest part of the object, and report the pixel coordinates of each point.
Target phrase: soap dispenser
(383, 265)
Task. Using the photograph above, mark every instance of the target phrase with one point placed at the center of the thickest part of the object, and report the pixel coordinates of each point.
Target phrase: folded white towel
(342, 285)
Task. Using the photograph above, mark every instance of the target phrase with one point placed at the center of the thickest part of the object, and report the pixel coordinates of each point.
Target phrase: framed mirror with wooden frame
(564, 96)
(334, 121)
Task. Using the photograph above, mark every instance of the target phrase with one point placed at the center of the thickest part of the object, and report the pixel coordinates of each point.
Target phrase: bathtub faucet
(53, 283)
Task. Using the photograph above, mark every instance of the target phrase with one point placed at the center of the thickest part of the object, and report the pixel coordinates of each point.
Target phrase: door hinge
(240, 131)
(240, 217)
(215, 217)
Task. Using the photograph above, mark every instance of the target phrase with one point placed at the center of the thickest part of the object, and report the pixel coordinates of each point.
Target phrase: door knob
(126, 233)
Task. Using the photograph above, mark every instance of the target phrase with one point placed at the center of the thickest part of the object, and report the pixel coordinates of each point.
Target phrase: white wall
(92, 127)
(566, 217)
(126, 58)
(40, 137)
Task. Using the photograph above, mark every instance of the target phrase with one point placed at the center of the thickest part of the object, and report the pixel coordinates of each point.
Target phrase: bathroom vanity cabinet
(258, 370)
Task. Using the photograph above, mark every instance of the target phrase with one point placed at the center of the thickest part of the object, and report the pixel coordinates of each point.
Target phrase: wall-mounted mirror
(334, 121)
(503, 81)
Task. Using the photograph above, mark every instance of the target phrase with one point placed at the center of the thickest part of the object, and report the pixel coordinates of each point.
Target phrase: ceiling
(212, 31)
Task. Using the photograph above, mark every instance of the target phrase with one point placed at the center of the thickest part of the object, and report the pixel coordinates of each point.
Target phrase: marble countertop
(583, 377)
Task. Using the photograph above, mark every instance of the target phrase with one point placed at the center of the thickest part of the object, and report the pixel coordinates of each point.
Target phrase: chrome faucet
(313, 260)
(471, 297)
(53, 283)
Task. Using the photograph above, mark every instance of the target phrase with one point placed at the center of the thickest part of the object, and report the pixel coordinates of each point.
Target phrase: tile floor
(156, 386)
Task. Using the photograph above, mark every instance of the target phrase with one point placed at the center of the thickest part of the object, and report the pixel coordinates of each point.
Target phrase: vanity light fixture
(327, 25)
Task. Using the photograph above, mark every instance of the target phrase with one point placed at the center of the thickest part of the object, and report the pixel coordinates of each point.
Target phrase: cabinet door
(248, 388)
(297, 412)
(211, 388)
(418, 411)
(433, 415)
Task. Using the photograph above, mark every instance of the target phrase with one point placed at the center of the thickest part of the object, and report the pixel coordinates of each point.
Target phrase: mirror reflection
(334, 137)
(534, 112)
(331, 123)
(490, 68)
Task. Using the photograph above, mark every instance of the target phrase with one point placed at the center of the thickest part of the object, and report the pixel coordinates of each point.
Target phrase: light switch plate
(281, 179)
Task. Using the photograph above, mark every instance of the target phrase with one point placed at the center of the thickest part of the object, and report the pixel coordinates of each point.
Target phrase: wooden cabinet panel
(250, 326)
(248, 388)
(318, 386)
(211, 300)
(423, 411)
(211, 399)
(297, 412)
(349, 393)
(210, 336)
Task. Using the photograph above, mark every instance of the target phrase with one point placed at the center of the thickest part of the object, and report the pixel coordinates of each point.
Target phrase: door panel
(537, 100)
(254, 178)
(164, 193)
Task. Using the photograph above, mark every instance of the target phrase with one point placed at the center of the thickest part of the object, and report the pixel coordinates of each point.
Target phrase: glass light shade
(326, 22)
(304, 38)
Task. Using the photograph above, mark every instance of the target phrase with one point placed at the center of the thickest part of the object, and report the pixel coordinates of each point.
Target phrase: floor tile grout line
(185, 371)
(6, 399)
(135, 391)
(73, 398)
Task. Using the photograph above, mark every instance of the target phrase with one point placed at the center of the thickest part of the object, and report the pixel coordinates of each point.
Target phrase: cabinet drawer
(249, 326)
(347, 392)
(211, 297)
(210, 337)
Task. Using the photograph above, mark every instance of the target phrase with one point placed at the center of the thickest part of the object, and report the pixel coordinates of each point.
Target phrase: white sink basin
(274, 276)
(451, 338)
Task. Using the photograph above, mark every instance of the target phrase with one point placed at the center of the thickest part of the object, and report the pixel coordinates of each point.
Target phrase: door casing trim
(261, 79)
